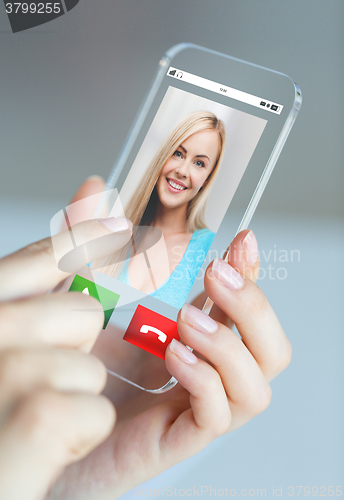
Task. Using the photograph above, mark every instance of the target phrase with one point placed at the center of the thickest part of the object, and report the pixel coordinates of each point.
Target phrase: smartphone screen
(198, 141)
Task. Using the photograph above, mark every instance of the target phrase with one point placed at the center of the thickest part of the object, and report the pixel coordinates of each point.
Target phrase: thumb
(85, 202)
(40, 266)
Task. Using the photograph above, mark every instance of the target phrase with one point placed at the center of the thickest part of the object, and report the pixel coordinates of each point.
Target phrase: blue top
(176, 288)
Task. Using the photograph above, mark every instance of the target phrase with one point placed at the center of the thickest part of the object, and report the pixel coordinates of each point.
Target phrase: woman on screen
(172, 197)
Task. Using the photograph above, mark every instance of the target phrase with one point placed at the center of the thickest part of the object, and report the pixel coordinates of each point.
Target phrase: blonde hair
(141, 198)
(141, 208)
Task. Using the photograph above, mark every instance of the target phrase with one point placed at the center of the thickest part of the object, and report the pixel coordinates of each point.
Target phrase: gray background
(70, 90)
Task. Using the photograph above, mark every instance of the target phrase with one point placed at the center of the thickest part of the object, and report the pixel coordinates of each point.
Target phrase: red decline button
(151, 331)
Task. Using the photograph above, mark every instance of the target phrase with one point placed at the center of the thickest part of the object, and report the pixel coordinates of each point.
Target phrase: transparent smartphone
(190, 174)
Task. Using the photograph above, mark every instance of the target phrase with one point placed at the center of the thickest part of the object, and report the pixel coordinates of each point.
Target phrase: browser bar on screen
(258, 102)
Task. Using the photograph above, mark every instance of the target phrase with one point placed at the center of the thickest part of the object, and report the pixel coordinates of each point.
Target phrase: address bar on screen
(238, 95)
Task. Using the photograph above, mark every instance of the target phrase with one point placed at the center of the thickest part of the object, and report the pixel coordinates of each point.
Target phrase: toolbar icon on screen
(151, 331)
(107, 298)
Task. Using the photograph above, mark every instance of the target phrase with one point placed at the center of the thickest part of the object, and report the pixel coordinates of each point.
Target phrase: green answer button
(107, 298)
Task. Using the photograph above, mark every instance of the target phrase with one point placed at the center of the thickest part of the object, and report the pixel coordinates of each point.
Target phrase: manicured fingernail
(95, 178)
(227, 275)
(250, 248)
(182, 352)
(116, 224)
(198, 319)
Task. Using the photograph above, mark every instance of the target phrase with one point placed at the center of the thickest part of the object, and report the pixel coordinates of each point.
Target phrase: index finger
(34, 269)
(242, 255)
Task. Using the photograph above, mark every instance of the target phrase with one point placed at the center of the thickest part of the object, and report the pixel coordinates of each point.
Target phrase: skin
(53, 413)
(189, 167)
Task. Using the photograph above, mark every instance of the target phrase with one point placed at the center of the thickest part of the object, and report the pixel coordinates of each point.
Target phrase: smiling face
(188, 169)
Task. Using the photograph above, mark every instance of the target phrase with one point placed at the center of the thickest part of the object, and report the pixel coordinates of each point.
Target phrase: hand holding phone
(252, 110)
(194, 167)
(164, 430)
(210, 399)
(218, 391)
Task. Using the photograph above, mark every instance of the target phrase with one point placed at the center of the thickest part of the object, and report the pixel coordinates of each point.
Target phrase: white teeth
(175, 186)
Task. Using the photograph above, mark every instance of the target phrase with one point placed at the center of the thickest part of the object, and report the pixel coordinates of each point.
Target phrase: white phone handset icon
(161, 335)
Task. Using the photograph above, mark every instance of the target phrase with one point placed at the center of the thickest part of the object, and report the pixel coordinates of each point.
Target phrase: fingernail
(116, 224)
(182, 352)
(250, 248)
(198, 319)
(95, 178)
(227, 275)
